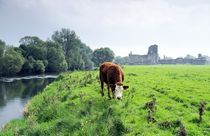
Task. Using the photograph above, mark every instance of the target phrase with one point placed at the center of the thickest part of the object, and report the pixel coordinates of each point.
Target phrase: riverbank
(11, 79)
(15, 93)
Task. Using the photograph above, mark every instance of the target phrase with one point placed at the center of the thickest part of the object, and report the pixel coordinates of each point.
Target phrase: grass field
(72, 105)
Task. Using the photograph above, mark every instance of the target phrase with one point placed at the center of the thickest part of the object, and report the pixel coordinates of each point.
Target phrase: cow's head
(118, 89)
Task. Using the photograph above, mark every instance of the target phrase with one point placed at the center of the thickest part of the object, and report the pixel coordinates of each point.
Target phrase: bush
(12, 62)
(39, 67)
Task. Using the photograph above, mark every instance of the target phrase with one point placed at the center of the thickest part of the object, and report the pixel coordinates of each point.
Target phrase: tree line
(63, 52)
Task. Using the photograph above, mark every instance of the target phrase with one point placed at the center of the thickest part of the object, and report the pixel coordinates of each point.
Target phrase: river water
(15, 93)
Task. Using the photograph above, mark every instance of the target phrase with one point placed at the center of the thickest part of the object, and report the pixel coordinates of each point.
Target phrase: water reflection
(14, 95)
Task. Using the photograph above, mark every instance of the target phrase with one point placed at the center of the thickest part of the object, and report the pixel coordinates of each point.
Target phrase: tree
(12, 62)
(55, 58)
(30, 40)
(1, 66)
(73, 49)
(39, 67)
(101, 55)
(66, 38)
(65, 52)
(88, 64)
(2, 48)
(87, 56)
(74, 60)
(28, 66)
(39, 52)
(120, 60)
(35, 53)
(33, 46)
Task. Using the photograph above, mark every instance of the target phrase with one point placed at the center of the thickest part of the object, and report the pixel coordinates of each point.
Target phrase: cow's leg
(108, 88)
(102, 88)
(102, 85)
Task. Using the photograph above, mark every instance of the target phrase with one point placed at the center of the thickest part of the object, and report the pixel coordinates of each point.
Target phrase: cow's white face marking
(118, 91)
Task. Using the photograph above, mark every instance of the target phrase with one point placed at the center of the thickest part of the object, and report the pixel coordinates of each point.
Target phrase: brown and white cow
(113, 76)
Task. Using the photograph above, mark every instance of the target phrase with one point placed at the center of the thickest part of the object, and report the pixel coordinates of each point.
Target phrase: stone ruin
(196, 61)
(152, 58)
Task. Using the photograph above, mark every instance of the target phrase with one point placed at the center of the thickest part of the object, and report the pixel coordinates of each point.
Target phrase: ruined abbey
(152, 58)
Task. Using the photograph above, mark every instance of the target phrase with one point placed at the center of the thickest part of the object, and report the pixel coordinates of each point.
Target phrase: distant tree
(55, 58)
(24, 50)
(28, 66)
(101, 55)
(87, 56)
(39, 67)
(74, 60)
(66, 38)
(1, 66)
(35, 53)
(33, 46)
(88, 64)
(39, 52)
(34, 56)
(120, 60)
(2, 47)
(30, 40)
(12, 62)
(74, 50)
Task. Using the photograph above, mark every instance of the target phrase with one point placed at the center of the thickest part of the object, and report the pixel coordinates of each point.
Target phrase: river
(15, 93)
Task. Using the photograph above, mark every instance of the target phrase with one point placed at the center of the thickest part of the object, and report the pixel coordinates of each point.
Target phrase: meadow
(73, 105)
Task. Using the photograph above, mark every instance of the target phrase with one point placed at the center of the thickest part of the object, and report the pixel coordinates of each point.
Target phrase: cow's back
(110, 72)
(103, 71)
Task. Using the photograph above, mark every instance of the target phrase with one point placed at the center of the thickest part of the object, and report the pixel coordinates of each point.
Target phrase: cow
(113, 76)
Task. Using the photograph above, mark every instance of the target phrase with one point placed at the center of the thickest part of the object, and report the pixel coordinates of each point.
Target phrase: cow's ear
(125, 87)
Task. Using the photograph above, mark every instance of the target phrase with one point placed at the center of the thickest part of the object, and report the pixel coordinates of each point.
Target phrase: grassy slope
(73, 104)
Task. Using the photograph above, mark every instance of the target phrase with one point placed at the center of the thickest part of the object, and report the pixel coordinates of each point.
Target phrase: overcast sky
(178, 27)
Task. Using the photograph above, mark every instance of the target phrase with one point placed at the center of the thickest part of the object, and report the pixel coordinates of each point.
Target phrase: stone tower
(153, 54)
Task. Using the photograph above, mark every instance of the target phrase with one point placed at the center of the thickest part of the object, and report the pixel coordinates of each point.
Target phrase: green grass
(72, 105)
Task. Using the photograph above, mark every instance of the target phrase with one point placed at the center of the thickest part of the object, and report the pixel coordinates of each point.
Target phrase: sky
(178, 27)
